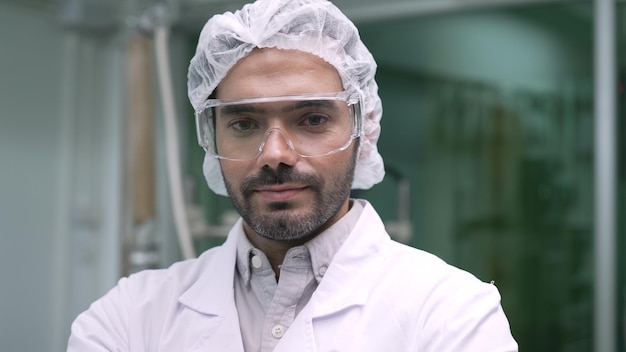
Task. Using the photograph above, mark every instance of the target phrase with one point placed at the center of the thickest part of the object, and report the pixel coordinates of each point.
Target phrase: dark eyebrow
(237, 109)
(328, 104)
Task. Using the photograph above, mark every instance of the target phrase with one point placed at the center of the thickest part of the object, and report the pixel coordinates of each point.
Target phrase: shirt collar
(321, 248)
(324, 246)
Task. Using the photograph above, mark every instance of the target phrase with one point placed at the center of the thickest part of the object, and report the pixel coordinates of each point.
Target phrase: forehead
(277, 72)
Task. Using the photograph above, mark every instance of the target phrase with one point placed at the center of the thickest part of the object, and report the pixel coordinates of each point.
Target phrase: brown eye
(242, 125)
(315, 120)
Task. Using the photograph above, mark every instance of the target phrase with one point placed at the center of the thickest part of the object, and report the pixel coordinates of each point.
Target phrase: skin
(284, 199)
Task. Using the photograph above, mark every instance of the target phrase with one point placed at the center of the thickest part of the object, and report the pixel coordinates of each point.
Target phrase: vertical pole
(141, 250)
(605, 170)
(62, 295)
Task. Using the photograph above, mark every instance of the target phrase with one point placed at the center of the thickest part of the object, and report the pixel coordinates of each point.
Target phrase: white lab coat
(377, 295)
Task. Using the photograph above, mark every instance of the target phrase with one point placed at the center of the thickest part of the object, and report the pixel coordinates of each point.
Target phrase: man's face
(280, 194)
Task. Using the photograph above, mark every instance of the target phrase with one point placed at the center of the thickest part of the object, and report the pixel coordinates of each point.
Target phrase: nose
(277, 149)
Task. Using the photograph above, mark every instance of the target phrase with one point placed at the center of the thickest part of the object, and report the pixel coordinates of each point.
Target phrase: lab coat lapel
(347, 281)
(212, 298)
(346, 284)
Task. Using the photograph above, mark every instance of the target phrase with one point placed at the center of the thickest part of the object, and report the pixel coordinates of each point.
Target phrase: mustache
(283, 174)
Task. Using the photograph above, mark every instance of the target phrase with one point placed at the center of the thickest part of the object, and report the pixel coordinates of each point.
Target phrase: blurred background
(489, 134)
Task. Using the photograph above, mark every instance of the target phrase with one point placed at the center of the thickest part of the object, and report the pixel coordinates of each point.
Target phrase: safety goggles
(312, 125)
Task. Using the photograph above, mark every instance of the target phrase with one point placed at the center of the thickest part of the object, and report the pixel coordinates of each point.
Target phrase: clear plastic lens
(310, 125)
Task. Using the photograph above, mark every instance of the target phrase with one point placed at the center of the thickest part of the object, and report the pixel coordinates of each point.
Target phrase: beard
(280, 221)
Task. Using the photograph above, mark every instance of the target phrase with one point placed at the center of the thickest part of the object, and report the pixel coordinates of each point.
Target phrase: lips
(279, 185)
(280, 192)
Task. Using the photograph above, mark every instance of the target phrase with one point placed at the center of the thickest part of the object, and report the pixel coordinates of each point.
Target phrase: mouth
(282, 192)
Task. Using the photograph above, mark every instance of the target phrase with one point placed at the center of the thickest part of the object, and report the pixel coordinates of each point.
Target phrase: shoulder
(452, 306)
(422, 272)
(424, 265)
(138, 303)
(437, 283)
(152, 292)
(398, 262)
(178, 277)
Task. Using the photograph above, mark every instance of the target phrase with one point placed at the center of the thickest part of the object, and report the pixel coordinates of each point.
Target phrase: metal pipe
(61, 293)
(605, 330)
(161, 38)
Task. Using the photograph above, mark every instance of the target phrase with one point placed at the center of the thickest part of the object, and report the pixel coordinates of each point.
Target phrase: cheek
(233, 174)
(334, 167)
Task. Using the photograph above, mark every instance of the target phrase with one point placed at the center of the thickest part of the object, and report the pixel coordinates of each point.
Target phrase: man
(288, 112)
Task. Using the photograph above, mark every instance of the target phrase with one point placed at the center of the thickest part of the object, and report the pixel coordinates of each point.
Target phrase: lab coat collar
(347, 281)
(346, 284)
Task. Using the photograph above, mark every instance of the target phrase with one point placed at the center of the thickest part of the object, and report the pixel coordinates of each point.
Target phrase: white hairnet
(313, 26)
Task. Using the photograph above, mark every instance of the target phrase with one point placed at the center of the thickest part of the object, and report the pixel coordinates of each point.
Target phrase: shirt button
(257, 262)
(278, 331)
(323, 270)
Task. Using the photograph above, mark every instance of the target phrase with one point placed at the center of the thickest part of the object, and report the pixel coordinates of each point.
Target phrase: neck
(276, 250)
(273, 249)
